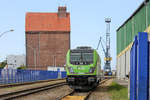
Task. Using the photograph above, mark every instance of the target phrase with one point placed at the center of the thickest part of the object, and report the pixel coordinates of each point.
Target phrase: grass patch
(118, 92)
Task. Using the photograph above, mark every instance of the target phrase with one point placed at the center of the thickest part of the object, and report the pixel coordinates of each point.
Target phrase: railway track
(28, 83)
(73, 95)
(21, 93)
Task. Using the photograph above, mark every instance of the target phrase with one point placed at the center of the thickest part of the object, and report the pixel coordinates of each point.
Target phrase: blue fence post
(12, 81)
(143, 73)
(15, 76)
(133, 70)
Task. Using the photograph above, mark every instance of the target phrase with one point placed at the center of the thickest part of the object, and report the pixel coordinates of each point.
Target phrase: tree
(22, 67)
(3, 64)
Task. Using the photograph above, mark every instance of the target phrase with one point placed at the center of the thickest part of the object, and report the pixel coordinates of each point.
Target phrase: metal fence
(139, 70)
(8, 76)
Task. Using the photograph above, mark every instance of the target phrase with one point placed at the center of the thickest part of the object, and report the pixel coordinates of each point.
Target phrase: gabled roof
(47, 22)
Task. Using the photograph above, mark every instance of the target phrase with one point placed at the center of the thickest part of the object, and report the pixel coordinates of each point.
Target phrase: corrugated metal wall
(127, 61)
(125, 35)
(118, 67)
(149, 13)
(123, 66)
(137, 23)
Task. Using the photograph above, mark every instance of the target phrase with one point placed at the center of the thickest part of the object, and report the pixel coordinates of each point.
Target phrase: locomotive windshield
(81, 58)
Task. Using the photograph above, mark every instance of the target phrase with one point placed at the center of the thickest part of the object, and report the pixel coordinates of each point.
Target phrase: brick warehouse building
(47, 39)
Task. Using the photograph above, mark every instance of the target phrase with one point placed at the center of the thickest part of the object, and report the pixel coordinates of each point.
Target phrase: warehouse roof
(48, 21)
(134, 13)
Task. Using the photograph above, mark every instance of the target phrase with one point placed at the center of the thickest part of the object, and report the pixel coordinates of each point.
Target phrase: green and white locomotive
(83, 67)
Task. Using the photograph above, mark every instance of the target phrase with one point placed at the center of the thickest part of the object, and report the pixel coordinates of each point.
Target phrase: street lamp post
(11, 30)
(6, 32)
(34, 50)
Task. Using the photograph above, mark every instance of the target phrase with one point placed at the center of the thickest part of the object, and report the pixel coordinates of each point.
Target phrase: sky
(87, 22)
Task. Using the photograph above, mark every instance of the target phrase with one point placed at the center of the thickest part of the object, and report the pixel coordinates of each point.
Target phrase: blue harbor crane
(108, 58)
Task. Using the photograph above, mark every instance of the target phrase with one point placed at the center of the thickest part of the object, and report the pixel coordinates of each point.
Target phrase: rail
(28, 83)
(71, 95)
(21, 93)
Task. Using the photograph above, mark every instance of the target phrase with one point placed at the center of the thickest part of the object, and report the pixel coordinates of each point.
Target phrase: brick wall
(50, 47)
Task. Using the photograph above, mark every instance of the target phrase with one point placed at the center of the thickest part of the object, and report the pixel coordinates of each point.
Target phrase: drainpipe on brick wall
(35, 58)
(39, 50)
(34, 51)
(54, 61)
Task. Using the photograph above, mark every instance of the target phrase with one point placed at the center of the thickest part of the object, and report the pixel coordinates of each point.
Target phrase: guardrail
(8, 76)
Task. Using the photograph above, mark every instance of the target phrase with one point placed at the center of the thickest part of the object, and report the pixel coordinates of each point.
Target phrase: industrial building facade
(47, 39)
(15, 61)
(138, 22)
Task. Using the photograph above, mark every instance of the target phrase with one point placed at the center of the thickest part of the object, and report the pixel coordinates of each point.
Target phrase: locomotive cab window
(81, 58)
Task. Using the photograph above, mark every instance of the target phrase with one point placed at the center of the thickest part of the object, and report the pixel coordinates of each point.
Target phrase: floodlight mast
(108, 20)
(107, 66)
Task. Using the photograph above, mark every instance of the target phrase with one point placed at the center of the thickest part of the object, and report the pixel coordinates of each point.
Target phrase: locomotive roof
(82, 49)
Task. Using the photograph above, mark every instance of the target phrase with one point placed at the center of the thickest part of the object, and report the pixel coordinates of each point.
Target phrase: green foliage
(118, 92)
(22, 67)
(3, 64)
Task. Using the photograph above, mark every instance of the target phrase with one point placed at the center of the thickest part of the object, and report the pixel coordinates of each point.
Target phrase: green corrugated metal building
(138, 22)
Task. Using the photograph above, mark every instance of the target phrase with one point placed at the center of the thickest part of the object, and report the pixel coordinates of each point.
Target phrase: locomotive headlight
(107, 70)
(92, 69)
(70, 69)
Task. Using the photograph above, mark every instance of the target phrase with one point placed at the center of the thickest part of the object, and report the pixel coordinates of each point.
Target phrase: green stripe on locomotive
(84, 69)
